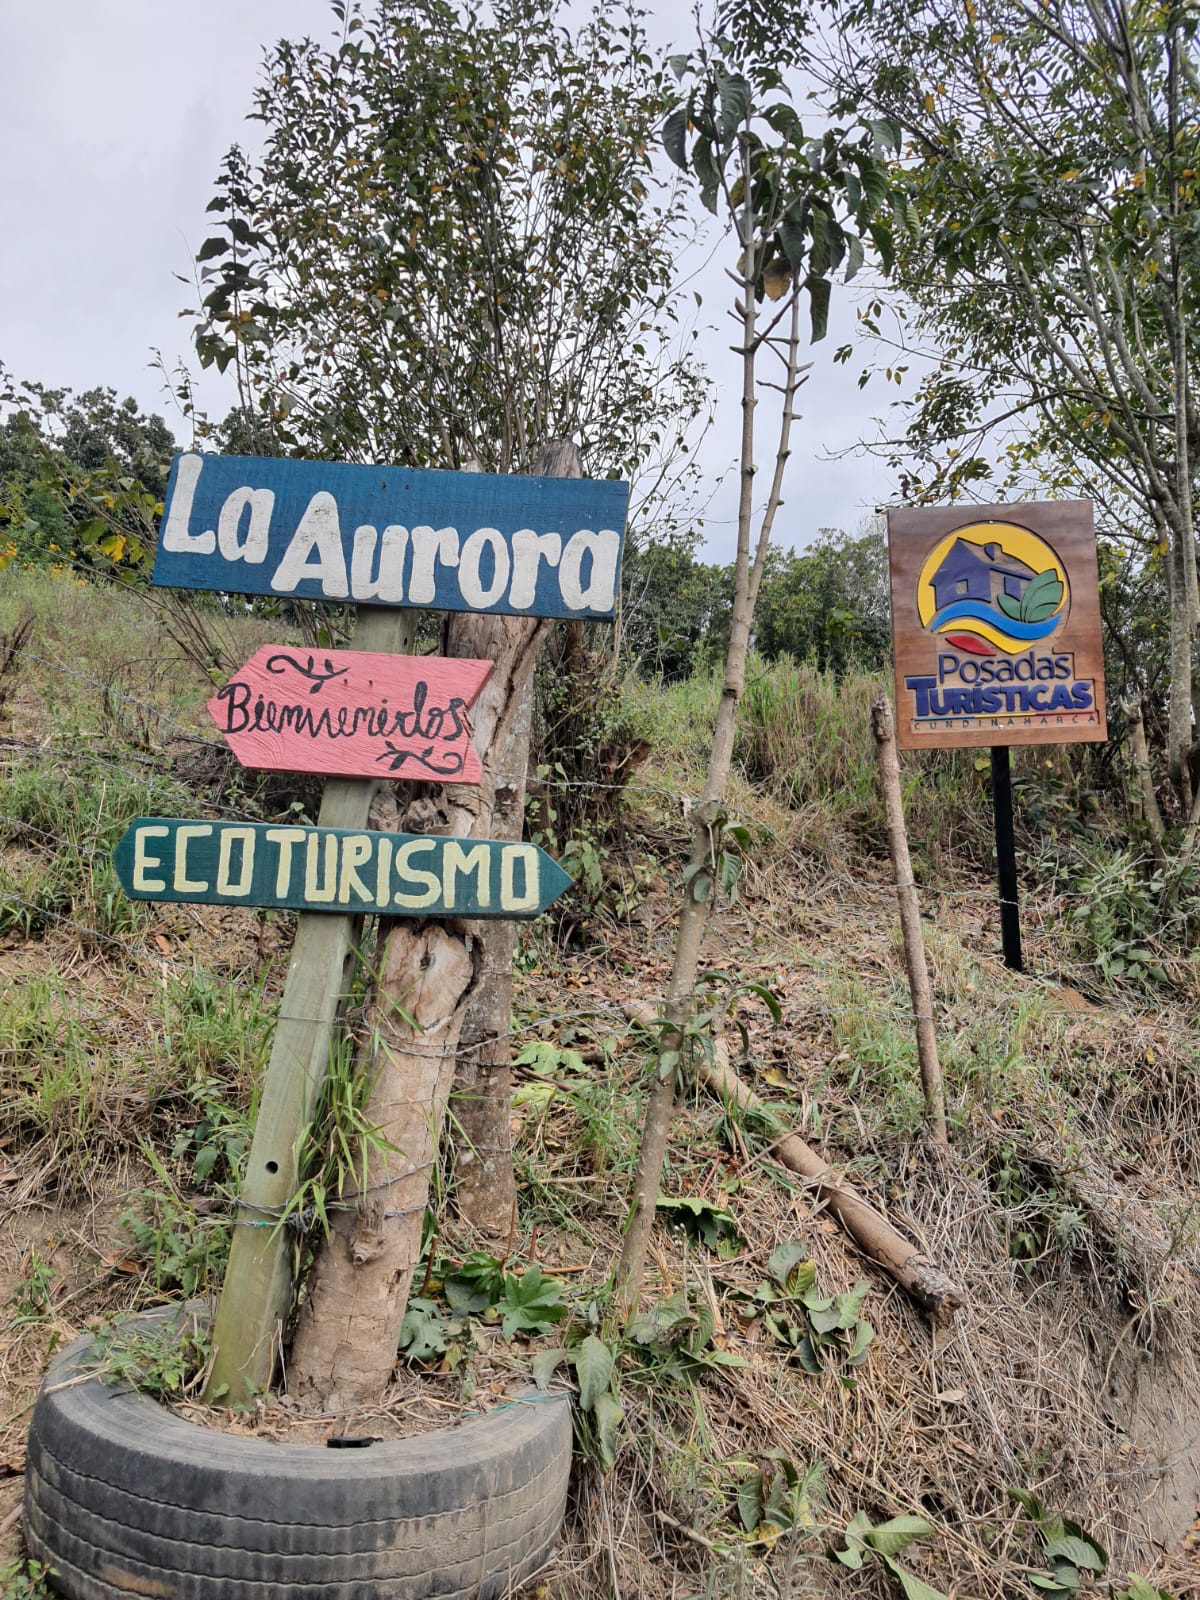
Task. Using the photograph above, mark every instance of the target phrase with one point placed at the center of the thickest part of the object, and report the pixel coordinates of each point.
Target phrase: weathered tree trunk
(349, 1325)
(485, 1189)
(928, 1285)
(1144, 778)
(345, 1345)
(910, 918)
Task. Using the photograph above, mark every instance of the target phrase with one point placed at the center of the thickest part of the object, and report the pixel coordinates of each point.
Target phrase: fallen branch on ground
(932, 1289)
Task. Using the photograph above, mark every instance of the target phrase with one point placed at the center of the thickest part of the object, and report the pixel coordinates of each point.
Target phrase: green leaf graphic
(1043, 597)
(1009, 606)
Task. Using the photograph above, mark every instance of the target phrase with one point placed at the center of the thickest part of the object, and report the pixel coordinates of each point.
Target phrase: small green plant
(600, 1412)
(821, 1329)
(217, 1142)
(1071, 1555)
(25, 1579)
(32, 1294)
(1039, 1214)
(774, 1496)
(181, 1250)
(168, 1362)
(880, 1543)
(675, 1340)
(711, 1225)
(336, 1147)
(426, 1331)
(530, 1303)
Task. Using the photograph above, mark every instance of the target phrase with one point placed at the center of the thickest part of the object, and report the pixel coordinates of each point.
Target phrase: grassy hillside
(780, 1396)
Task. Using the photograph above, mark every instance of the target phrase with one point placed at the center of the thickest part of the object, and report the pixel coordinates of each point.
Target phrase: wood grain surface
(996, 625)
(348, 713)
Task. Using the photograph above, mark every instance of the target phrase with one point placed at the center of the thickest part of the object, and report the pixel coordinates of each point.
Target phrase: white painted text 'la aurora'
(379, 563)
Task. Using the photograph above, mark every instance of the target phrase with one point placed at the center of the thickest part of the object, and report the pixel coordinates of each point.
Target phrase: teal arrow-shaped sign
(335, 869)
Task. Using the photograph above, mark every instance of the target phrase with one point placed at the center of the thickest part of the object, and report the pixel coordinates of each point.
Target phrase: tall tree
(798, 208)
(452, 247)
(1053, 152)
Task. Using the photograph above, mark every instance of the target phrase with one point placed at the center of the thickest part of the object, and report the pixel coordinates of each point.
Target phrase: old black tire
(124, 1498)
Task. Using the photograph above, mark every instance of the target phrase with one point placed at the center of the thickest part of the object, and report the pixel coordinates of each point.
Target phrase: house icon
(978, 572)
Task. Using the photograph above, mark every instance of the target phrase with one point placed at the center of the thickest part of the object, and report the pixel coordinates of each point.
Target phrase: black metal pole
(1006, 858)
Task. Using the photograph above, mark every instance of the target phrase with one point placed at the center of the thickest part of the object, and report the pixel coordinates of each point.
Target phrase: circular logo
(992, 587)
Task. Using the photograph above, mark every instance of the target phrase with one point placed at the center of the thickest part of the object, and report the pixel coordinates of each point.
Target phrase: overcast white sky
(114, 118)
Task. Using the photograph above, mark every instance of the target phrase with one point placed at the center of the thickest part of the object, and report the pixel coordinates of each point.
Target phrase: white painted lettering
(175, 535)
(600, 591)
(181, 883)
(253, 548)
(457, 860)
(383, 868)
(319, 534)
(386, 581)
(355, 852)
(430, 545)
(313, 890)
(225, 882)
(142, 863)
(285, 838)
(528, 550)
(470, 582)
(405, 869)
(527, 899)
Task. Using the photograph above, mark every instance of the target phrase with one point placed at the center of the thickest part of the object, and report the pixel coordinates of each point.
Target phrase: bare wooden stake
(910, 918)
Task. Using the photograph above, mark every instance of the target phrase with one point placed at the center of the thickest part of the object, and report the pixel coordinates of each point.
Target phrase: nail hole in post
(272, 1166)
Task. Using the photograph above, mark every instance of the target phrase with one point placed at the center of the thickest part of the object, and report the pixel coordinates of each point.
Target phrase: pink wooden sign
(352, 714)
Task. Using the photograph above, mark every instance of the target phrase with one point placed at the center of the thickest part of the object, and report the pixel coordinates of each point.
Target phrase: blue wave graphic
(973, 611)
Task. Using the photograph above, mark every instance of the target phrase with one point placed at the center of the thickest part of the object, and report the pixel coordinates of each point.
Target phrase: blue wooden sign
(390, 536)
(334, 869)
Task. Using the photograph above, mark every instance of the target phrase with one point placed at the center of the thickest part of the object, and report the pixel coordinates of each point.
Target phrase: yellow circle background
(1017, 542)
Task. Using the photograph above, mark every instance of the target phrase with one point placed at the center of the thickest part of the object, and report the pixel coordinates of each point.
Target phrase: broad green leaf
(914, 1588)
(674, 137)
(593, 1369)
(863, 1334)
(855, 256)
(735, 104)
(1051, 1585)
(1080, 1552)
(545, 1364)
(608, 1414)
(897, 1534)
(1028, 1502)
(750, 1502)
(1009, 606)
(785, 1263)
(818, 293)
(212, 248)
(794, 239)
(885, 134)
(668, 1317)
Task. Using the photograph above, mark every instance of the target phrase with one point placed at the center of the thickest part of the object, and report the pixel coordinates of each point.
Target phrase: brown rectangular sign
(996, 625)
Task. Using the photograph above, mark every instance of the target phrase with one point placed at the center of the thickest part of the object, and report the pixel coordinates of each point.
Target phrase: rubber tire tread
(124, 1498)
